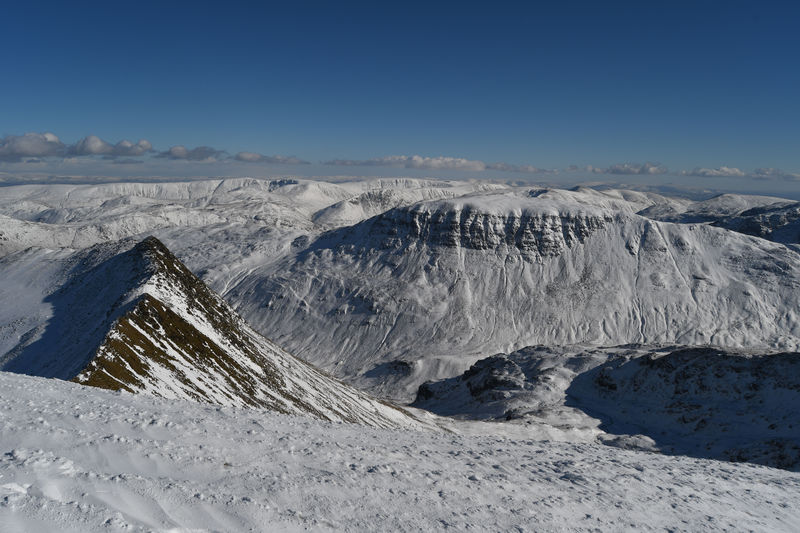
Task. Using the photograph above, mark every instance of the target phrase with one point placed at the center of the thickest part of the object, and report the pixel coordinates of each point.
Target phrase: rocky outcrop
(533, 235)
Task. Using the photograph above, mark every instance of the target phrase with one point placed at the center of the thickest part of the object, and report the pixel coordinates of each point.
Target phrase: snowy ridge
(775, 219)
(79, 216)
(717, 207)
(374, 202)
(140, 321)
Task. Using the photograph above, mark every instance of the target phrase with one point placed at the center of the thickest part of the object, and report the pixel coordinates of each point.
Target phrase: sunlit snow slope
(80, 459)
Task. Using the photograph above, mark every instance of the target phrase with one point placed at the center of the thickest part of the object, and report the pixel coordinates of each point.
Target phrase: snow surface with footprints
(77, 459)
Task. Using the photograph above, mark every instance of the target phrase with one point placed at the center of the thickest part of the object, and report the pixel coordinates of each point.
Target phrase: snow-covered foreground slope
(698, 401)
(77, 459)
(131, 317)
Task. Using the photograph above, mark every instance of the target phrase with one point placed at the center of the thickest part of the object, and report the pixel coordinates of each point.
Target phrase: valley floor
(81, 459)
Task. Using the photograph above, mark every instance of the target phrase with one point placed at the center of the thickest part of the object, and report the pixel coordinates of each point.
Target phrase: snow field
(79, 459)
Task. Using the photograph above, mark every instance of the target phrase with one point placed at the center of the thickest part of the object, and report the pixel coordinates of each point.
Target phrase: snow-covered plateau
(561, 337)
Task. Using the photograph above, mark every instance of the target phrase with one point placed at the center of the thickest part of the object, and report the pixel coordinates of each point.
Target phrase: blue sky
(474, 89)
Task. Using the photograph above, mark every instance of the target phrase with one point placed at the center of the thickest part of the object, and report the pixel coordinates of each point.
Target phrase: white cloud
(201, 153)
(127, 148)
(35, 149)
(525, 169)
(721, 172)
(249, 157)
(414, 161)
(631, 169)
(14, 148)
(773, 174)
(433, 163)
(93, 145)
(438, 163)
(252, 157)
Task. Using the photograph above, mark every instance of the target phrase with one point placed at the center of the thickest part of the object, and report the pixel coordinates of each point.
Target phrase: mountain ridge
(160, 330)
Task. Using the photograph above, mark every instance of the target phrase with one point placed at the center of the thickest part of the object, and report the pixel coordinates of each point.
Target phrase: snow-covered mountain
(389, 283)
(392, 283)
(698, 401)
(440, 284)
(132, 317)
(78, 216)
(778, 222)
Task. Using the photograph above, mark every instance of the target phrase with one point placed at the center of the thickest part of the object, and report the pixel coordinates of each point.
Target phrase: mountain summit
(136, 319)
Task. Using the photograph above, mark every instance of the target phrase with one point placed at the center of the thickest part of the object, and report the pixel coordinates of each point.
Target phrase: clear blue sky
(547, 84)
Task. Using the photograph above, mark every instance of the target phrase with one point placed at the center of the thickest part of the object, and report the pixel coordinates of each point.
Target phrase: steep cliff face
(533, 235)
(501, 222)
(134, 318)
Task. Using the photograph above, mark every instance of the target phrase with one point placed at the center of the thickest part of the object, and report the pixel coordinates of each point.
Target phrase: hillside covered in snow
(622, 323)
(502, 270)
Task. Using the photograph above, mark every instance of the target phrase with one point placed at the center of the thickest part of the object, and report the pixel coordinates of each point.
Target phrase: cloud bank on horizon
(36, 148)
(631, 169)
(435, 163)
(21, 148)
